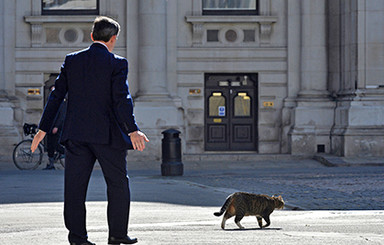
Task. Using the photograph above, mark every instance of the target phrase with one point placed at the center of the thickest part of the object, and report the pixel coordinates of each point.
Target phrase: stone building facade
(296, 77)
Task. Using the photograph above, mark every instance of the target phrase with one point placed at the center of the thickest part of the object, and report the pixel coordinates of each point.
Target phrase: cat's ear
(280, 197)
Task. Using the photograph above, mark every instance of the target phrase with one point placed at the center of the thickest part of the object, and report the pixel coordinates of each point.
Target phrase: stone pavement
(167, 223)
(334, 161)
(178, 210)
(305, 184)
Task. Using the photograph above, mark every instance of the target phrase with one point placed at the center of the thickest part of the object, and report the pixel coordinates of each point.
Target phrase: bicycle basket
(29, 129)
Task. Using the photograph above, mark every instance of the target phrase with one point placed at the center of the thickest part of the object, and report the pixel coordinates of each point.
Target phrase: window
(242, 105)
(230, 7)
(70, 7)
(216, 105)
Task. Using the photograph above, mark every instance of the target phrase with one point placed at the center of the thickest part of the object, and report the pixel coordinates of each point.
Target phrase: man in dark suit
(99, 124)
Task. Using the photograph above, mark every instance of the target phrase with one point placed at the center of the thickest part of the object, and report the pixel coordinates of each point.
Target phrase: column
(313, 49)
(293, 68)
(359, 116)
(152, 49)
(155, 110)
(314, 112)
(8, 131)
(2, 48)
(132, 43)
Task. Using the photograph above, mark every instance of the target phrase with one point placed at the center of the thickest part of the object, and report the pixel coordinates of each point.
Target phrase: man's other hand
(37, 139)
(138, 140)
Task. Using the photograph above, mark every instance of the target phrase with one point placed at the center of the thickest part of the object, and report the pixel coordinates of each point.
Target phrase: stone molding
(40, 19)
(40, 22)
(199, 22)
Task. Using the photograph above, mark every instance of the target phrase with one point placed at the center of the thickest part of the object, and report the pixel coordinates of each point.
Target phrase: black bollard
(171, 153)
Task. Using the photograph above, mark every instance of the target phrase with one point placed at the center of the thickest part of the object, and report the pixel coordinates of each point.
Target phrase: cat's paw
(240, 226)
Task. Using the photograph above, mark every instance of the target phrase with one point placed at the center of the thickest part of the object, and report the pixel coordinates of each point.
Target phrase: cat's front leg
(266, 218)
(239, 225)
(260, 221)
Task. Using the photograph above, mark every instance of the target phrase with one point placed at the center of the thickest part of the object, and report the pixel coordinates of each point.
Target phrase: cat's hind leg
(237, 220)
(226, 216)
(260, 221)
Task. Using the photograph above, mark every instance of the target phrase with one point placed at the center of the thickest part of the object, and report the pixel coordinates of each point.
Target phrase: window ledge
(38, 19)
(231, 19)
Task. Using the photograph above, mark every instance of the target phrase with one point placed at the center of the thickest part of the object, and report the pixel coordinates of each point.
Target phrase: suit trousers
(79, 162)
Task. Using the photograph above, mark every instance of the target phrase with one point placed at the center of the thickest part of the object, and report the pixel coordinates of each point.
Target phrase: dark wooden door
(230, 112)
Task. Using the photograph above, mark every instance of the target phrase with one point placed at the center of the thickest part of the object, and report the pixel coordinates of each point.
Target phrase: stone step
(237, 156)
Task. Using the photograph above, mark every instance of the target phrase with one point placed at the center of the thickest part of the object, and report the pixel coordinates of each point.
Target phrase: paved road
(304, 183)
(175, 224)
(178, 210)
(318, 187)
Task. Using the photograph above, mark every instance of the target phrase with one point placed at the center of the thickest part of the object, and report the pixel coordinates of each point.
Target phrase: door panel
(231, 116)
(242, 133)
(243, 119)
(217, 133)
(217, 130)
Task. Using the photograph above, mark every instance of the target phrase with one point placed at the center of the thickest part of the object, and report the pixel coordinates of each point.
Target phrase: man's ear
(92, 36)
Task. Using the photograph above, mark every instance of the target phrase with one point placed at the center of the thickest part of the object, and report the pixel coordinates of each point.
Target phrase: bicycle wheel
(23, 157)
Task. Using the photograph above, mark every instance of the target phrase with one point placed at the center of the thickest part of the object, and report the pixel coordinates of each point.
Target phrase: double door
(231, 112)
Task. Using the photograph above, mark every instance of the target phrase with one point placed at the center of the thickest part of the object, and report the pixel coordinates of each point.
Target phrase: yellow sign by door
(268, 104)
(33, 91)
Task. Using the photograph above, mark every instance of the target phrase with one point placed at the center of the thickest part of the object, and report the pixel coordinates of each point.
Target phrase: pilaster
(293, 69)
(8, 132)
(314, 113)
(155, 109)
(359, 123)
(152, 50)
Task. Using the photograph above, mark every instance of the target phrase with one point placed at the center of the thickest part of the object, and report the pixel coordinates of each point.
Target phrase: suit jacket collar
(99, 44)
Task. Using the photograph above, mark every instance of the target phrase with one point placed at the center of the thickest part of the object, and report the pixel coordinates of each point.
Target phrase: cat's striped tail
(224, 207)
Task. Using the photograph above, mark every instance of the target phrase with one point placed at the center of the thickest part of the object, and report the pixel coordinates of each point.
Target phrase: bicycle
(23, 157)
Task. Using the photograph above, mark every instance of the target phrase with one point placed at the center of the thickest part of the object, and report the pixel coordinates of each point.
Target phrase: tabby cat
(242, 204)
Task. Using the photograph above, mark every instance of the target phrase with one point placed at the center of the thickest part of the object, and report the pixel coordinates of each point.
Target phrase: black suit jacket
(99, 107)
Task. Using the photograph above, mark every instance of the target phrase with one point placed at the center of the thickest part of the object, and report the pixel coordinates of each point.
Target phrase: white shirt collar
(101, 44)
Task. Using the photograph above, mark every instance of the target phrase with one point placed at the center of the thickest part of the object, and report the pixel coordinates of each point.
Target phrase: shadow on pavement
(48, 186)
(254, 229)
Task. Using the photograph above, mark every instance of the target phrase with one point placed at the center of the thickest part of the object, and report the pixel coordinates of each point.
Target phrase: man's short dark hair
(104, 28)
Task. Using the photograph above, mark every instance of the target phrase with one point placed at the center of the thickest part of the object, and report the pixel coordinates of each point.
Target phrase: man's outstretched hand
(138, 140)
(37, 139)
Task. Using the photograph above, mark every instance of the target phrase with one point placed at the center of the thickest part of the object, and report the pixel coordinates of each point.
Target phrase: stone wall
(320, 62)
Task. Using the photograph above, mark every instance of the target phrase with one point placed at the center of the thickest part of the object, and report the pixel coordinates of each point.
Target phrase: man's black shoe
(83, 243)
(124, 240)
